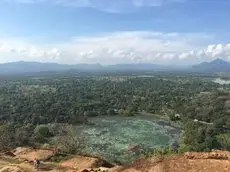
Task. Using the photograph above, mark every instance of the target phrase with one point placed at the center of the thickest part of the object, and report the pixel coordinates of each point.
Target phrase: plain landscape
(114, 86)
(117, 117)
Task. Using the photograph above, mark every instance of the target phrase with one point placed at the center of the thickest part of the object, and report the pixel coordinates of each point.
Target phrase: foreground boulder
(208, 155)
(102, 169)
(30, 154)
(11, 169)
(217, 161)
(81, 162)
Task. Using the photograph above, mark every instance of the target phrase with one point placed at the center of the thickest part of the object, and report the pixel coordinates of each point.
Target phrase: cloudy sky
(114, 31)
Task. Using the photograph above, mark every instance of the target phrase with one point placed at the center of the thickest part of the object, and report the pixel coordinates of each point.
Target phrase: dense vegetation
(201, 106)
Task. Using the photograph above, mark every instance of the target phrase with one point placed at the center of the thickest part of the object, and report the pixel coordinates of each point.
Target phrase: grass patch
(60, 157)
(160, 152)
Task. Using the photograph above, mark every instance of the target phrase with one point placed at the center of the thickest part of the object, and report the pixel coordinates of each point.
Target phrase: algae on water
(109, 137)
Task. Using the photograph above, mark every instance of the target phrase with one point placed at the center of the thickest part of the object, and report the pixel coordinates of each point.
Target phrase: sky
(114, 31)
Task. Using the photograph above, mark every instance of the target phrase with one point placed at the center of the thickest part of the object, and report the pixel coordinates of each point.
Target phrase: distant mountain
(214, 66)
(24, 67)
(134, 67)
(34, 67)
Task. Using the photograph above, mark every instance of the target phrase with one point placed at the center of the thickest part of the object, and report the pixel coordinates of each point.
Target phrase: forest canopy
(201, 106)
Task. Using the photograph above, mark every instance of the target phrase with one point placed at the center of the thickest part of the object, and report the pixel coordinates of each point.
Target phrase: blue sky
(114, 31)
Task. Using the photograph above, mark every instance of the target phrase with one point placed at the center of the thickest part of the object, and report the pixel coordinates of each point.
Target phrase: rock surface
(80, 162)
(216, 161)
(30, 154)
(209, 155)
(195, 162)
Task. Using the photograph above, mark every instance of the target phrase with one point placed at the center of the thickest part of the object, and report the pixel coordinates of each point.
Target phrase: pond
(110, 137)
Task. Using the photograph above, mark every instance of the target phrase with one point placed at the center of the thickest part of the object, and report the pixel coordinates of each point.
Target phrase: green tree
(70, 142)
(42, 131)
(5, 138)
(126, 112)
(111, 112)
(224, 141)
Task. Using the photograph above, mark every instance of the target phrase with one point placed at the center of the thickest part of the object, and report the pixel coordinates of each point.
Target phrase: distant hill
(23, 67)
(34, 67)
(214, 66)
(134, 67)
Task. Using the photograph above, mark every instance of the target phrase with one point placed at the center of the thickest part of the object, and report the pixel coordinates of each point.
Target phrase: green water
(109, 137)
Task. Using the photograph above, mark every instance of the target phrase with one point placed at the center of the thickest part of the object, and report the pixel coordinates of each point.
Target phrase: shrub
(160, 152)
(224, 141)
(69, 143)
(42, 131)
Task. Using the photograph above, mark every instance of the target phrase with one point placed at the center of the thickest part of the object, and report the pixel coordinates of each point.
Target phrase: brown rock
(208, 155)
(31, 154)
(11, 169)
(115, 169)
(131, 170)
(80, 162)
(189, 162)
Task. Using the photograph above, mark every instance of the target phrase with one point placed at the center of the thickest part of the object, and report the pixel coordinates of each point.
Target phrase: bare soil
(21, 161)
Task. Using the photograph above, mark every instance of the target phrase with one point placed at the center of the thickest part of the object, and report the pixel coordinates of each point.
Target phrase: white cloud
(118, 47)
(2, 48)
(215, 50)
(17, 49)
(104, 5)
